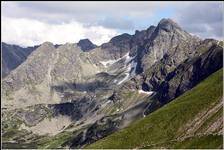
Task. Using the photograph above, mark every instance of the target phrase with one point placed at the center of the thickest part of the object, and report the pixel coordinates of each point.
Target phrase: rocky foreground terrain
(71, 95)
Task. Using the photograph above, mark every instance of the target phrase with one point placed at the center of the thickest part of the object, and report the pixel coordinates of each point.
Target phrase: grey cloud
(117, 23)
(101, 13)
(202, 18)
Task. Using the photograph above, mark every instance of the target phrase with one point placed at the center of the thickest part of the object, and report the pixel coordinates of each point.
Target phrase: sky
(32, 23)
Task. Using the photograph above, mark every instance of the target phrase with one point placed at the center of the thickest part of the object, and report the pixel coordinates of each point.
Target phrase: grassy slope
(163, 125)
(208, 141)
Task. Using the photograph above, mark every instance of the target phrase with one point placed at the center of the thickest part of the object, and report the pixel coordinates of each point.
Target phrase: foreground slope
(193, 120)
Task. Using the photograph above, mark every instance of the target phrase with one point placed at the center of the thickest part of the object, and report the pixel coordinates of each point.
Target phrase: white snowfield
(111, 62)
(145, 92)
(129, 64)
(129, 72)
(124, 79)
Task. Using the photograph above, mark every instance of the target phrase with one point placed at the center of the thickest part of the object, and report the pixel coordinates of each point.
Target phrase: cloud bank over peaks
(29, 32)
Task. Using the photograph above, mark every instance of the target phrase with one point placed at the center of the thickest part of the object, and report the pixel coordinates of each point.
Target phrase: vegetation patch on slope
(162, 126)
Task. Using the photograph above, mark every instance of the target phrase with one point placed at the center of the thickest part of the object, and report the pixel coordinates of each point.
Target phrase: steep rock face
(13, 56)
(157, 73)
(86, 45)
(141, 36)
(30, 73)
(138, 41)
(116, 48)
(168, 38)
(189, 73)
(31, 82)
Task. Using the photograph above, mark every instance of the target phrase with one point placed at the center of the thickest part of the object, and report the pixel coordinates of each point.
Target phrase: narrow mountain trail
(192, 127)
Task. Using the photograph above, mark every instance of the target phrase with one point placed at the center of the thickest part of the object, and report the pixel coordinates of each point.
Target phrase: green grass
(162, 126)
(13, 134)
(8, 145)
(40, 142)
(57, 141)
(8, 135)
(208, 142)
(196, 142)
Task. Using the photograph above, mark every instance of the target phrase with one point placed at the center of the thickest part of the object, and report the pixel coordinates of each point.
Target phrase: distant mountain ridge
(13, 55)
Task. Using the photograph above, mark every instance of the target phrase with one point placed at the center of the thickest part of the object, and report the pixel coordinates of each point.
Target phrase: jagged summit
(151, 28)
(86, 45)
(168, 24)
(47, 44)
(121, 37)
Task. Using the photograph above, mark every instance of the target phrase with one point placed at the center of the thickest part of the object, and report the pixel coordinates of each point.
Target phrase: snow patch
(128, 58)
(129, 64)
(130, 70)
(115, 80)
(145, 92)
(111, 62)
(124, 79)
(133, 65)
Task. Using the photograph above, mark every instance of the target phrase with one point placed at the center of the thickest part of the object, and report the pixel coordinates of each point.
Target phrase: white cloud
(29, 32)
(117, 15)
(29, 23)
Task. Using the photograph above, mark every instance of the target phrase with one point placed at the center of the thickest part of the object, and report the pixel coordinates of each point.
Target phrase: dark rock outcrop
(98, 130)
(190, 73)
(86, 45)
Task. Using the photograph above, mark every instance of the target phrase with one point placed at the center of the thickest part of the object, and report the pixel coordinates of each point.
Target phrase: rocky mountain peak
(86, 45)
(47, 44)
(122, 37)
(168, 25)
(151, 28)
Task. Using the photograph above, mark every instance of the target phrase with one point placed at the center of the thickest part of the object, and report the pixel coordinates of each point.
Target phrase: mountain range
(74, 94)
